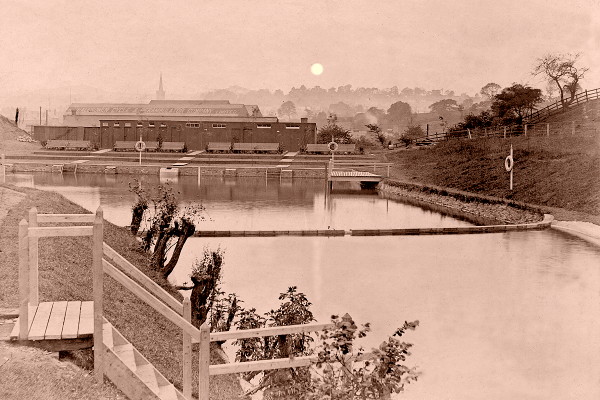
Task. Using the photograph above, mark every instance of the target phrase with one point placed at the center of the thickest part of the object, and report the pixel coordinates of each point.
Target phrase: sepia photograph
(311, 200)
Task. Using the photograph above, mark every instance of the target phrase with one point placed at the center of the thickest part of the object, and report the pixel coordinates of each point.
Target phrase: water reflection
(509, 315)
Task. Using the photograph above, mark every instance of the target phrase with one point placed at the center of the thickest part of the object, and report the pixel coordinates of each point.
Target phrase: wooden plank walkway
(59, 321)
(360, 176)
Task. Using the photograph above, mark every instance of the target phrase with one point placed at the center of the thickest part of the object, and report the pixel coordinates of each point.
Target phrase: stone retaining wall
(478, 209)
(84, 168)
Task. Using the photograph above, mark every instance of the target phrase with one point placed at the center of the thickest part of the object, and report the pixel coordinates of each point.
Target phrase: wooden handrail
(262, 365)
(144, 280)
(54, 231)
(557, 105)
(270, 331)
(149, 299)
(48, 218)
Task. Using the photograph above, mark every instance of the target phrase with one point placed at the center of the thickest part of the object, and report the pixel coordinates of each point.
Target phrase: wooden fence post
(548, 129)
(525, 129)
(573, 128)
(505, 132)
(23, 280)
(187, 351)
(204, 362)
(33, 261)
(98, 274)
(2, 168)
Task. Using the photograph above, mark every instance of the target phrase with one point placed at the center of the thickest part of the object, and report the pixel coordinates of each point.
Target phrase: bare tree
(560, 69)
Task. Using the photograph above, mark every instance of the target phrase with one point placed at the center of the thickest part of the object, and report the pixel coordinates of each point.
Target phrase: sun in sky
(316, 69)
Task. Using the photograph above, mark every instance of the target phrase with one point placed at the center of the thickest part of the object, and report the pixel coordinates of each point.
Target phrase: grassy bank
(561, 173)
(65, 274)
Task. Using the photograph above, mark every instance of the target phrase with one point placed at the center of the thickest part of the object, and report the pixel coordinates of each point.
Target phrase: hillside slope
(561, 170)
(9, 133)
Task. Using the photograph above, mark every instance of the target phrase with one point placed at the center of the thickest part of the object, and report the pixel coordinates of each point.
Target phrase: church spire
(160, 93)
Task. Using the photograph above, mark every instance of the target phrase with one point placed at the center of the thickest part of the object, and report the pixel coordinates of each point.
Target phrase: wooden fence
(105, 261)
(29, 233)
(542, 129)
(558, 106)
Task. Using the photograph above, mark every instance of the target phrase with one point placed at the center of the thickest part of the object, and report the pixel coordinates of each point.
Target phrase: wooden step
(131, 372)
(125, 353)
(146, 374)
(168, 392)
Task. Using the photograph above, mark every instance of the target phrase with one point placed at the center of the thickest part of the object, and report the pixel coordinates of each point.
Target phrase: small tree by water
(165, 224)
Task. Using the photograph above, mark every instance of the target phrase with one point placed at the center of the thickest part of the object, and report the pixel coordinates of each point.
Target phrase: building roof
(163, 108)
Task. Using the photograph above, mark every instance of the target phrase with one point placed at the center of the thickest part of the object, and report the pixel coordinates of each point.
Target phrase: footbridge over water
(366, 173)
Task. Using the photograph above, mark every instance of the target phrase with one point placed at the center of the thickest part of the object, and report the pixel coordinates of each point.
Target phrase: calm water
(503, 316)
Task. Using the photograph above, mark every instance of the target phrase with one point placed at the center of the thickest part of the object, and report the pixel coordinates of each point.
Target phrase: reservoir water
(511, 315)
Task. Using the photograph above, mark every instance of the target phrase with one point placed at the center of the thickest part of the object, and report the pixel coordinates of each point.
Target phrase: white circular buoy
(333, 146)
(509, 163)
(140, 146)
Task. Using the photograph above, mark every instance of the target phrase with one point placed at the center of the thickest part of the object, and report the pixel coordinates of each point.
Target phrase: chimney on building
(303, 120)
(160, 93)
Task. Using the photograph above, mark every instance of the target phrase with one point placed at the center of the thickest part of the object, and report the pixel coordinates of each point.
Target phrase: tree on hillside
(513, 103)
(560, 69)
(444, 108)
(490, 90)
(288, 108)
(375, 129)
(398, 112)
(411, 133)
(332, 130)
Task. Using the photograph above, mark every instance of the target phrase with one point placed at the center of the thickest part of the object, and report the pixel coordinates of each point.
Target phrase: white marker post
(140, 146)
(509, 163)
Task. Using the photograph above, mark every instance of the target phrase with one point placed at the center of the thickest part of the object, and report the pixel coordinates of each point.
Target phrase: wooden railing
(29, 233)
(557, 106)
(105, 261)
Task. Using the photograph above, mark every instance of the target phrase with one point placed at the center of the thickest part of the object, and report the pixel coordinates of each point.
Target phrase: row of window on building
(193, 125)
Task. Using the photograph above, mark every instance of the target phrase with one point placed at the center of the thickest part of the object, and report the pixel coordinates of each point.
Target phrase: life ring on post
(140, 146)
(509, 163)
(332, 146)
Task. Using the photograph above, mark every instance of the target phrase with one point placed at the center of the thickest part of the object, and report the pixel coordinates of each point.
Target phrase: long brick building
(195, 122)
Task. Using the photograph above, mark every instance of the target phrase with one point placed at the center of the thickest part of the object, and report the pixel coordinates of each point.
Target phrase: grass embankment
(560, 173)
(65, 274)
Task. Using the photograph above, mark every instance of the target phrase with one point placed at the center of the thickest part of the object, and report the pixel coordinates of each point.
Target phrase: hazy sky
(124, 45)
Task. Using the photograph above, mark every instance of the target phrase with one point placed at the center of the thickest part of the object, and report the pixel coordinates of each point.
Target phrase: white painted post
(548, 129)
(204, 362)
(23, 280)
(98, 290)
(33, 261)
(388, 171)
(469, 132)
(511, 170)
(525, 129)
(187, 351)
(505, 132)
